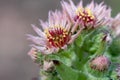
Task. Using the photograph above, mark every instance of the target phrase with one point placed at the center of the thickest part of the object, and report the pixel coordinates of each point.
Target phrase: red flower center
(85, 16)
(57, 36)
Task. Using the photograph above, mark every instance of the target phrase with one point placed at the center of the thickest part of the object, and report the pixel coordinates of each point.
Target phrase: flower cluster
(72, 26)
(63, 27)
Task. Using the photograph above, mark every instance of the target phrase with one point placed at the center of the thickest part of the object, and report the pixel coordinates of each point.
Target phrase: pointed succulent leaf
(67, 73)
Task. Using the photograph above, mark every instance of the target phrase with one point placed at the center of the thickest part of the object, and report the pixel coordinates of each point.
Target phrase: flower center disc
(85, 16)
(57, 36)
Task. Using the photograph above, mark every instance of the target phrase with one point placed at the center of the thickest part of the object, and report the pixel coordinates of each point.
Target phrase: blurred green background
(16, 17)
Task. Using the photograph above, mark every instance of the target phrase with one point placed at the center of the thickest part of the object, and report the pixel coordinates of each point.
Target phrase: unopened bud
(100, 63)
(118, 71)
(33, 54)
(48, 65)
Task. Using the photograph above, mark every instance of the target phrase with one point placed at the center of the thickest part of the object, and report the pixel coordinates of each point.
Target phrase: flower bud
(118, 71)
(33, 54)
(107, 38)
(48, 65)
(100, 63)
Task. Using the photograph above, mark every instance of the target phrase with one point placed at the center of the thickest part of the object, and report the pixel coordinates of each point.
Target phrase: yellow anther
(53, 38)
(57, 38)
(61, 40)
(80, 16)
(88, 11)
(56, 34)
(64, 35)
(92, 17)
(83, 18)
(87, 19)
(64, 30)
(46, 31)
(79, 10)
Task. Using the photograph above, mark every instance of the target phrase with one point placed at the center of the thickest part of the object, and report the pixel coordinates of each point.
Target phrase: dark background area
(16, 17)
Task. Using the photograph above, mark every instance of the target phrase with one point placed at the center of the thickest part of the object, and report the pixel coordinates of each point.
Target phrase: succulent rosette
(77, 43)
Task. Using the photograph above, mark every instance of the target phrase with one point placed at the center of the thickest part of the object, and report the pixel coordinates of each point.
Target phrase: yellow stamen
(57, 36)
(84, 15)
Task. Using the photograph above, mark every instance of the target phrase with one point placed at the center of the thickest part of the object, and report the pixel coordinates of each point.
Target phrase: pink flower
(57, 33)
(115, 25)
(91, 16)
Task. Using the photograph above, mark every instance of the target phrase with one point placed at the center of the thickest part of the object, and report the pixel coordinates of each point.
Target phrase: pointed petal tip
(33, 26)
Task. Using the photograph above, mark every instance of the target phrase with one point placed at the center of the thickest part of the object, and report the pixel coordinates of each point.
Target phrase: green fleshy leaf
(94, 74)
(112, 71)
(40, 58)
(114, 75)
(65, 56)
(116, 59)
(49, 76)
(67, 73)
(114, 48)
(91, 43)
